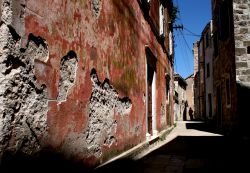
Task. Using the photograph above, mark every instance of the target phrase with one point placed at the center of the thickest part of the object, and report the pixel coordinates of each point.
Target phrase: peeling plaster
(96, 7)
(163, 114)
(104, 104)
(24, 105)
(68, 69)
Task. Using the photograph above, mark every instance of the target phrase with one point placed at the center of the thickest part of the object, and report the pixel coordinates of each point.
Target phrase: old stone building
(204, 74)
(190, 93)
(199, 80)
(208, 68)
(196, 80)
(180, 105)
(86, 79)
(201, 69)
(231, 36)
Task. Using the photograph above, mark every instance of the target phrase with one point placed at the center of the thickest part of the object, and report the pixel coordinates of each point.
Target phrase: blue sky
(194, 15)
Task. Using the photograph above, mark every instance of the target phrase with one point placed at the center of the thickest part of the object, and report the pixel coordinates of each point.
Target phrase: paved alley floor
(190, 148)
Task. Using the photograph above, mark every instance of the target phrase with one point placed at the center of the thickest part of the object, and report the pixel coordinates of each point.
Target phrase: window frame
(208, 70)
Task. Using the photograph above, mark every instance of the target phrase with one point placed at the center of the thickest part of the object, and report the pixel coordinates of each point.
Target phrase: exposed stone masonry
(104, 104)
(24, 104)
(23, 108)
(96, 7)
(68, 69)
(242, 40)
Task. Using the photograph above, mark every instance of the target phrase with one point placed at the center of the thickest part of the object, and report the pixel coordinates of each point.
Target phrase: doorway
(151, 92)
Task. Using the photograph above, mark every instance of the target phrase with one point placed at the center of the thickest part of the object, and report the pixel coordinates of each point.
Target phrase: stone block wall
(241, 22)
(242, 40)
(224, 66)
(190, 93)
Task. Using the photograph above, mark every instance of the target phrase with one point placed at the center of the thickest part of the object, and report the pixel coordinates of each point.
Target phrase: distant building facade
(208, 66)
(180, 106)
(190, 93)
(199, 80)
(196, 81)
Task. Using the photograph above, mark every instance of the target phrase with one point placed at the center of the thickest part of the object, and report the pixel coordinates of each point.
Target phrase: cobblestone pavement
(190, 148)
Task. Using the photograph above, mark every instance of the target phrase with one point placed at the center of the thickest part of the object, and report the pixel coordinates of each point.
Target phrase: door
(150, 105)
(151, 92)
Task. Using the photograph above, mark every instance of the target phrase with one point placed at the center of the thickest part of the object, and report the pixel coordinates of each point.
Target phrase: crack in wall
(68, 67)
(24, 104)
(104, 104)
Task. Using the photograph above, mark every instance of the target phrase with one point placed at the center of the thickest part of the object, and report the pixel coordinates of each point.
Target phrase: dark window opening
(167, 87)
(248, 49)
(208, 70)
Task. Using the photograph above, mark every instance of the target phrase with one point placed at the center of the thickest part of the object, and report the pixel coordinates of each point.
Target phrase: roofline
(180, 78)
(189, 76)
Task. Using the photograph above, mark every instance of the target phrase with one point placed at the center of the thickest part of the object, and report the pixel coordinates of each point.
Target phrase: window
(162, 21)
(208, 70)
(248, 49)
(228, 92)
(170, 43)
(167, 88)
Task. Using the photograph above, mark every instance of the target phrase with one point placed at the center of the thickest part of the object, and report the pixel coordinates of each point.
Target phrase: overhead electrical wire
(190, 50)
(184, 54)
(191, 33)
(186, 51)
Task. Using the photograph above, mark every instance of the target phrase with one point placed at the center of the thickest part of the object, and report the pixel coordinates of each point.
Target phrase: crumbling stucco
(96, 7)
(68, 69)
(163, 114)
(104, 104)
(12, 13)
(23, 107)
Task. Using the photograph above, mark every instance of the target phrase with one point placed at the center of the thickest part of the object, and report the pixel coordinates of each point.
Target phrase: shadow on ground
(201, 126)
(184, 154)
(190, 154)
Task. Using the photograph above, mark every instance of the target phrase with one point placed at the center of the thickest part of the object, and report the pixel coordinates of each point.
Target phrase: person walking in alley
(191, 113)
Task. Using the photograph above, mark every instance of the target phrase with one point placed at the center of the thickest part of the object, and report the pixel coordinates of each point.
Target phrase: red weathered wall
(112, 41)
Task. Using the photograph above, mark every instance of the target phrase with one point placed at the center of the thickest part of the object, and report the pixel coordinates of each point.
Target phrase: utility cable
(192, 33)
(183, 54)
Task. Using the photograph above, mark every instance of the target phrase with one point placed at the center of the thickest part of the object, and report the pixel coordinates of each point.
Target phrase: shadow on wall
(243, 108)
(43, 162)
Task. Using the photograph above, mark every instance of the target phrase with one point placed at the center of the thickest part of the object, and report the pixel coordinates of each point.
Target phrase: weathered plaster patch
(104, 103)
(163, 114)
(68, 69)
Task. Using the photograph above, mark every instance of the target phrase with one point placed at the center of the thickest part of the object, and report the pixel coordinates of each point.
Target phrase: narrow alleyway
(191, 147)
